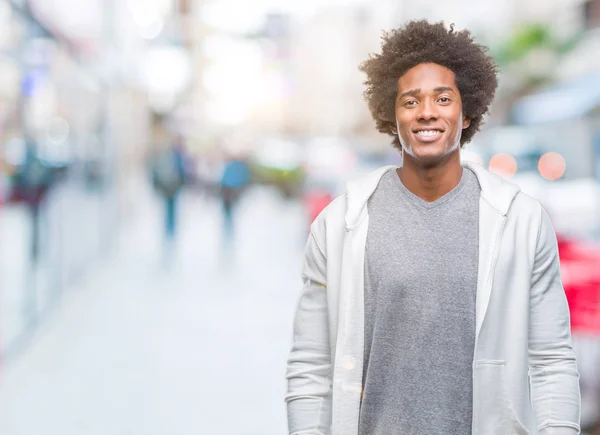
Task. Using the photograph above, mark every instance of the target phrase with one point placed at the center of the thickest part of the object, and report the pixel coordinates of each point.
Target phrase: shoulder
(524, 204)
(329, 226)
(528, 211)
(331, 215)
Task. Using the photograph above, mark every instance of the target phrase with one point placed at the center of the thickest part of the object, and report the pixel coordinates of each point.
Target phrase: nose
(428, 110)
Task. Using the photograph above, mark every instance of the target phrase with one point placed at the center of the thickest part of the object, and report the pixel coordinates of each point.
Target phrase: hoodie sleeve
(309, 365)
(554, 378)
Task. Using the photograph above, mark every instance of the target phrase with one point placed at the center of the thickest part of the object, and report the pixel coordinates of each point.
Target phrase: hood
(496, 191)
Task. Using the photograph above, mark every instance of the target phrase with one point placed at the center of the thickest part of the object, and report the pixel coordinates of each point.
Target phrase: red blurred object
(315, 201)
(580, 270)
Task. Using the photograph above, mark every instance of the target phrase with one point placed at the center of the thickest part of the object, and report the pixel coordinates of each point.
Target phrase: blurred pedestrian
(432, 299)
(32, 180)
(235, 178)
(168, 177)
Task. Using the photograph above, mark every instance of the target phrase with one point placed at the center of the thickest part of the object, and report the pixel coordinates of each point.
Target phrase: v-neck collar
(426, 204)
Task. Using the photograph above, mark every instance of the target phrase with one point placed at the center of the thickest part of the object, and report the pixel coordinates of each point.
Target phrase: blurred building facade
(72, 99)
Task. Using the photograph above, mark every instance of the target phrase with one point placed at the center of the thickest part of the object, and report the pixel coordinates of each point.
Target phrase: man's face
(429, 116)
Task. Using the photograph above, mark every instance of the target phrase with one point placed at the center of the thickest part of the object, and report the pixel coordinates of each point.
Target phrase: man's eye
(410, 103)
(445, 100)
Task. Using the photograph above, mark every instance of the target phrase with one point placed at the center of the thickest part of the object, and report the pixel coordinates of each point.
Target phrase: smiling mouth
(427, 133)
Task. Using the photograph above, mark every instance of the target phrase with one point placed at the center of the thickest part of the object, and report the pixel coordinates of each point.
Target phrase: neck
(431, 182)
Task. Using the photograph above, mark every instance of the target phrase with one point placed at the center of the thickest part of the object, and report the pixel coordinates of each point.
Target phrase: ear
(466, 123)
(394, 129)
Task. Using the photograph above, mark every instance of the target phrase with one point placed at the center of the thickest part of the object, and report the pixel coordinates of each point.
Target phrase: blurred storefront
(71, 127)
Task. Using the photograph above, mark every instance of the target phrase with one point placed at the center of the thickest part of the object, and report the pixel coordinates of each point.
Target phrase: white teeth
(428, 132)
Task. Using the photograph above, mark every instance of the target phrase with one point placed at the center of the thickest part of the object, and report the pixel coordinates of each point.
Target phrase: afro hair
(423, 42)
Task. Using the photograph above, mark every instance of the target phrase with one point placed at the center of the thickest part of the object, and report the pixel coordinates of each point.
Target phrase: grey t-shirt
(421, 266)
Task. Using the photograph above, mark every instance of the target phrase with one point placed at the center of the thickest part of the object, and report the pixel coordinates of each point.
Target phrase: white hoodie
(525, 378)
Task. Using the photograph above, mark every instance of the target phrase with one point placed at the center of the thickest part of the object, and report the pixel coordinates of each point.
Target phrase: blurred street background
(161, 162)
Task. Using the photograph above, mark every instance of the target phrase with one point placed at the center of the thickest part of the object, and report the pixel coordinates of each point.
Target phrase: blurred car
(315, 201)
(278, 162)
(580, 270)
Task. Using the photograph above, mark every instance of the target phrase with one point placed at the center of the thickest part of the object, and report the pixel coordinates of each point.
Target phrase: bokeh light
(552, 166)
(504, 165)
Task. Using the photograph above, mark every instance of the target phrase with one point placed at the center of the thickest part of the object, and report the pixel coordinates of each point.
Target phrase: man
(432, 299)
(235, 178)
(168, 177)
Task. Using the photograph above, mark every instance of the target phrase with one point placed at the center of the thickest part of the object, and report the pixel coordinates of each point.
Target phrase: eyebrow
(415, 92)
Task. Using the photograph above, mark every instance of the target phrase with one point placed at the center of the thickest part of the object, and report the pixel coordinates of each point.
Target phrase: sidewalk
(198, 347)
(71, 224)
